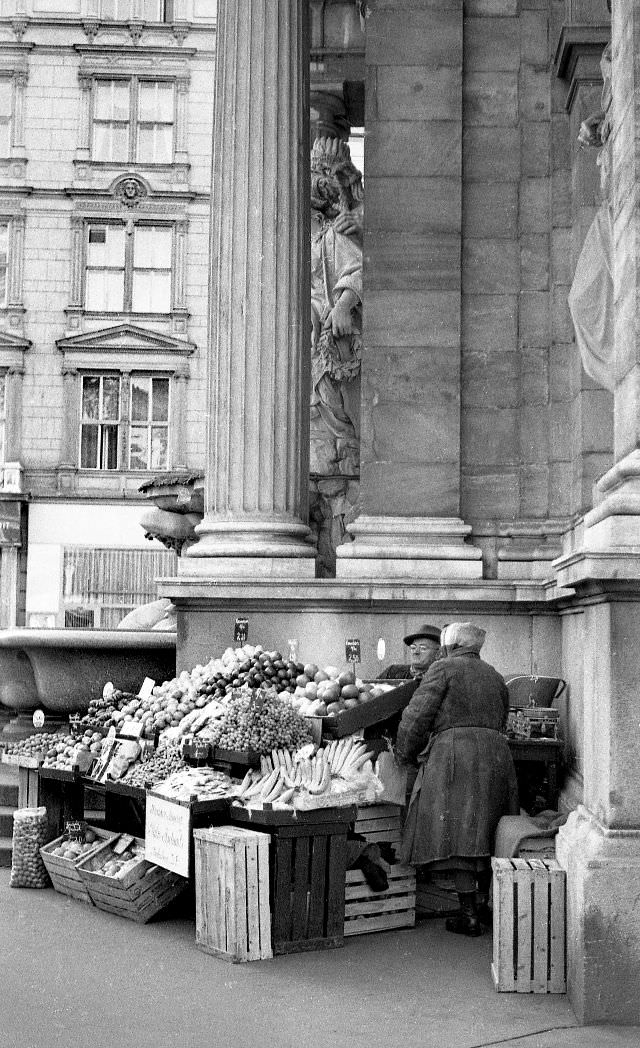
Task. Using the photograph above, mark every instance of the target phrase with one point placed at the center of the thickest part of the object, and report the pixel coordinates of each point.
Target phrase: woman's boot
(467, 922)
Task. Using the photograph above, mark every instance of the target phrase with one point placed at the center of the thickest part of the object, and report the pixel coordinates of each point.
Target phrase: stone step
(5, 852)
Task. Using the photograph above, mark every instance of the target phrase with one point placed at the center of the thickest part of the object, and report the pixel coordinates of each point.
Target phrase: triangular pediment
(125, 338)
(8, 341)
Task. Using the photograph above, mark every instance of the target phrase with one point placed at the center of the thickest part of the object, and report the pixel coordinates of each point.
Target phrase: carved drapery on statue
(336, 343)
(591, 295)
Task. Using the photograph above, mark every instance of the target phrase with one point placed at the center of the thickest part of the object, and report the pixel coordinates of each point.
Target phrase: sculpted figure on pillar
(336, 342)
(591, 294)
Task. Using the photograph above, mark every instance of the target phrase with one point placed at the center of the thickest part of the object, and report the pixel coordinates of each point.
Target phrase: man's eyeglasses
(421, 648)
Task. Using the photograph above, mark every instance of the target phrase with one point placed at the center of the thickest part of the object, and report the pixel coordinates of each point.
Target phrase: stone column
(410, 437)
(600, 844)
(258, 369)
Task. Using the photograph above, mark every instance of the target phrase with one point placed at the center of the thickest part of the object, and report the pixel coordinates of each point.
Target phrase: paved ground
(73, 977)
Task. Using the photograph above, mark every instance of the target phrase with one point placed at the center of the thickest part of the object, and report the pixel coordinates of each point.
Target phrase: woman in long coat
(466, 778)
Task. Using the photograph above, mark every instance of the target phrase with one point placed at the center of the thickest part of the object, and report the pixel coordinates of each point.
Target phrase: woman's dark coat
(466, 779)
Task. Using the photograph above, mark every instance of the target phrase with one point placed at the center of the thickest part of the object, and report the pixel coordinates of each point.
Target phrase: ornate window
(147, 10)
(13, 80)
(133, 121)
(128, 268)
(12, 224)
(6, 115)
(3, 415)
(124, 422)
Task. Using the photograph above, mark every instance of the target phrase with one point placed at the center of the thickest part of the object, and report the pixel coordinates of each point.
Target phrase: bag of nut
(29, 834)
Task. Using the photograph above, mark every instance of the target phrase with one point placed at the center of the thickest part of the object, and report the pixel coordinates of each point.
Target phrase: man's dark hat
(430, 632)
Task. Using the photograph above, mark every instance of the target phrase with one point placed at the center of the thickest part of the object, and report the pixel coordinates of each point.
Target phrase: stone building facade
(105, 185)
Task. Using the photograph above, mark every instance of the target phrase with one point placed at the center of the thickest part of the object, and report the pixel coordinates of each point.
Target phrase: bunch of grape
(261, 722)
(156, 769)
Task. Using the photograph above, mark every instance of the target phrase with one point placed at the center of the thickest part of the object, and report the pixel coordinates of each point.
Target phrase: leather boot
(467, 922)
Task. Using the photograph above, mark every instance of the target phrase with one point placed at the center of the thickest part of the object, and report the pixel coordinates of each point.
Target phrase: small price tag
(108, 690)
(75, 829)
(352, 649)
(132, 729)
(74, 723)
(200, 749)
(146, 688)
(382, 649)
(38, 718)
(241, 631)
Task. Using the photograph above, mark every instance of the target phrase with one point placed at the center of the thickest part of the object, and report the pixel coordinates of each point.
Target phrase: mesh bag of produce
(29, 834)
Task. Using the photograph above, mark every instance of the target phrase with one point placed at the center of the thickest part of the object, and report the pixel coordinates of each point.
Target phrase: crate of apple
(327, 692)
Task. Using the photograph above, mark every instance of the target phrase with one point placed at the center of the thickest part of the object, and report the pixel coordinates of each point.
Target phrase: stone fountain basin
(61, 670)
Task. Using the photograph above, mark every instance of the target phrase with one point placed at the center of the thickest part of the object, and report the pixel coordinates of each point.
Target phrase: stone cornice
(578, 54)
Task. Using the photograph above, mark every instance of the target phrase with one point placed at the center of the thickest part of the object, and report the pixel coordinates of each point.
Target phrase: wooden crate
(63, 872)
(529, 926)
(380, 822)
(307, 866)
(367, 911)
(233, 915)
(142, 893)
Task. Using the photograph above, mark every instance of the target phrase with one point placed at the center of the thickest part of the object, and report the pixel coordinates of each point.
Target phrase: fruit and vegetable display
(74, 850)
(157, 768)
(69, 753)
(36, 745)
(325, 692)
(306, 779)
(260, 722)
(29, 835)
(202, 784)
(114, 860)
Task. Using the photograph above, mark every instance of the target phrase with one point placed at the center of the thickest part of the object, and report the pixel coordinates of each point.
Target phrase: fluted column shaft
(258, 369)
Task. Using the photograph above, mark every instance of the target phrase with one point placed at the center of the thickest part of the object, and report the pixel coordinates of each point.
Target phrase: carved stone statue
(591, 295)
(336, 343)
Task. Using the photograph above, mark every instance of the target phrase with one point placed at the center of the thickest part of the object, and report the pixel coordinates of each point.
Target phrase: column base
(249, 547)
(408, 547)
(603, 919)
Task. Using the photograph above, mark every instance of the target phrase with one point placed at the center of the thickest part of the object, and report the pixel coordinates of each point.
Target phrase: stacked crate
(367, 911)
(529, 926)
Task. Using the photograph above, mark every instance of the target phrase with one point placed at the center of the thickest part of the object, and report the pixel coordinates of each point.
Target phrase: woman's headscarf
(462, 635)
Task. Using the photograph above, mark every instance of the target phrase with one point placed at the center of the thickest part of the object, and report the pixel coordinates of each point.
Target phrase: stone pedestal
(402, 547)
(258, 368)
(600, 845)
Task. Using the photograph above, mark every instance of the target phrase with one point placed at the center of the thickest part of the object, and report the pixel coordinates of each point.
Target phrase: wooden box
(380, 822)
(143, 892)
(373, 711)
(233, 916)
(307, 866)
(529, 926)
(63, 872)
(367, 911)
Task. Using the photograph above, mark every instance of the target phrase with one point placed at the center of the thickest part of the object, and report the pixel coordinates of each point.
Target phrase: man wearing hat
(424, 646)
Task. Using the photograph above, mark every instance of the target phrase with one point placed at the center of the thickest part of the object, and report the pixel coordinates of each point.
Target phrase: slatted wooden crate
(233, 915)
(142, 893)
(529, 926)
(64, 873)
(380, 822)
(307, 865)
(368, 911)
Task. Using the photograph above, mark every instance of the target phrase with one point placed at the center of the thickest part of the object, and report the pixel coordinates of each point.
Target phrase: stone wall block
(534, 492)
(561, 146)
(490, 495)
(534, 262)
(597, 428)
(409, 489)
(411, 262)
(535, 93)
(562, 325)
(560, 434)
(534, 37)
(489, 155)
(534, 205)
(426, 148)
(404, 36)
(561, 256)
(489, 100)
(490, 267)
(534, 434)
(627, 416)
(490, 209)
(560, 491)
(561, 360)
(491, 379)
(489, 436)
(561, 198)
(491, 44)
(413, 205)
(535, 319)
(413, 318)
(490, 323)
(535, 148)
(414, 92)
(491, 8)
(534, 364)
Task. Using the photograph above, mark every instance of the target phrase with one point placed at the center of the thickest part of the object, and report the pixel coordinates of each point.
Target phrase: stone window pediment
(127, 346)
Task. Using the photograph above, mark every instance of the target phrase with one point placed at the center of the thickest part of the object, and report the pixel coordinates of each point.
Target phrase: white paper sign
(146, 688)
(167, 834)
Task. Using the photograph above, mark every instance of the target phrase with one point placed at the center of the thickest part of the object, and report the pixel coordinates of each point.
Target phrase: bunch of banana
(347, 757)
(266, 788)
